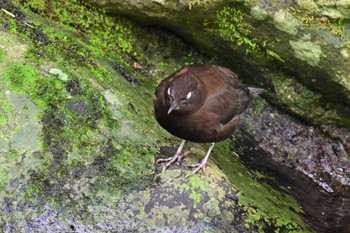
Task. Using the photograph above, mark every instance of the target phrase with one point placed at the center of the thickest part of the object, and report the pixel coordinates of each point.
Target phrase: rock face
(62, 185)
(295, 154)
(78, 142)
(84, 101)
(298, 51)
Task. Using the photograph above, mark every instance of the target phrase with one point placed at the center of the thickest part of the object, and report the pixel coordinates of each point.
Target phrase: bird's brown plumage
(211, 113)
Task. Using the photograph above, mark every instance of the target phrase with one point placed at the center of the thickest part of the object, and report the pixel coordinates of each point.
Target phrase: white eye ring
(169, 91)
(189, 95)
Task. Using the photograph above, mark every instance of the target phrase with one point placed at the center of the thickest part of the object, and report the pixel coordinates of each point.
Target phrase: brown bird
(201, 103)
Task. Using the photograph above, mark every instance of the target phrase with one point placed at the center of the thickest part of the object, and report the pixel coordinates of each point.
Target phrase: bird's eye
(169, 91)
(189, 95)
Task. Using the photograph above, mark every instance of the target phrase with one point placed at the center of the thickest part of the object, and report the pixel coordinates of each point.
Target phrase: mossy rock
(93, 153)
(307, 42)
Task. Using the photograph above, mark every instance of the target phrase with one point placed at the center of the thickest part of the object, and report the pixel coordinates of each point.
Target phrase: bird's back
(225, 94)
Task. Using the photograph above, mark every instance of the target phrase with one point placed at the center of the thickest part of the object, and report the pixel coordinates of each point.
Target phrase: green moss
(21, 77)
(83, 115)
(38, 5)
(13, 25)
(2, 53)
(257, 198)
(232, 27)
(43, 91)
(71, 126)
(110, 33)
(338, 27)
(278, 219)
(31, 192)
(84, 158)
(131, 163)
(106, 34)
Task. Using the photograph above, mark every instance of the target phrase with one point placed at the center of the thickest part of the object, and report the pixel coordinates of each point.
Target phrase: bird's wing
(228, 104)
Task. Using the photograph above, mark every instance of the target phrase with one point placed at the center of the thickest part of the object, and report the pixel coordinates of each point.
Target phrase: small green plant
(338, 28)
(274, 55)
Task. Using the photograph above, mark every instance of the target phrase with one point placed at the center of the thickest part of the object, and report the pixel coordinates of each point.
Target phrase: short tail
(254, 91)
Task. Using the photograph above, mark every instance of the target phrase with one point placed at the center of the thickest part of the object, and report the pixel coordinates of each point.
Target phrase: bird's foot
(201, 165)
(177, 158)
(198, 166)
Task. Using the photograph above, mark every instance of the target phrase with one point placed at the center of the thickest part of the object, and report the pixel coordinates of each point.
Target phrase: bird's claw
(177, 158)
(198, 166)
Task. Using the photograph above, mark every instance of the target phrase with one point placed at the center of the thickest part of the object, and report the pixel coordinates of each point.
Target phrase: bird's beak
(173, 106)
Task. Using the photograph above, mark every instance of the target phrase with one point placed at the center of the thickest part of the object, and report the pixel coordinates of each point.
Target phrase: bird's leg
(177, 157)
(201, 165)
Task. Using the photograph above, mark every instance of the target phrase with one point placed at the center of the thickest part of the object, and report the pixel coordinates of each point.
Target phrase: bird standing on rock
(201, 103)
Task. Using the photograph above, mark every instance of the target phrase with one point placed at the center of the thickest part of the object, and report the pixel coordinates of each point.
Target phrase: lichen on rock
(284, 21)
(306, 50)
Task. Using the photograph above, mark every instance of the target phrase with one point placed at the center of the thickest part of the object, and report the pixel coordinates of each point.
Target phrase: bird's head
(183, 94)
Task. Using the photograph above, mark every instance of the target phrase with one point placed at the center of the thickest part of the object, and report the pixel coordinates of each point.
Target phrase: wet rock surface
(312, 162)
(323, 211)
(172, 205)
(320, 153)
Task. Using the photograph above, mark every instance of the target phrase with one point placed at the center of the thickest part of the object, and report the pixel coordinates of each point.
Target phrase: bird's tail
(254, 91)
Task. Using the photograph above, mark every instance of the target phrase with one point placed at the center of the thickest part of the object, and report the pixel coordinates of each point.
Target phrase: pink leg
(202, 164)
(177, 157)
